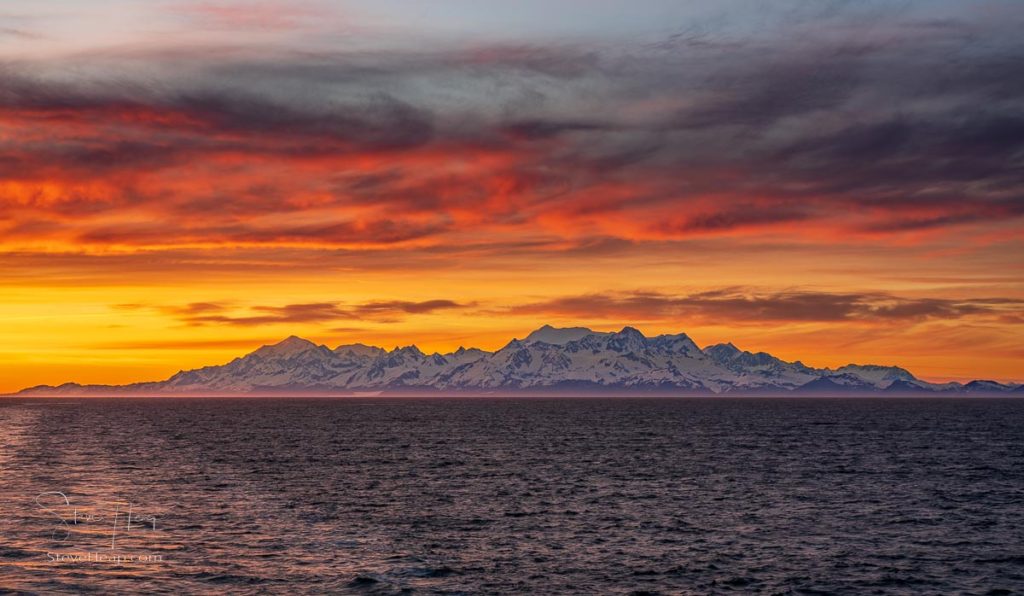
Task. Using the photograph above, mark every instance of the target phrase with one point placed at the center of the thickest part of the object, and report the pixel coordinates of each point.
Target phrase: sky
(831, 181)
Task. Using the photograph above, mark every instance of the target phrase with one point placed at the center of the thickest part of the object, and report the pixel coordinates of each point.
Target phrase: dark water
(487, 496)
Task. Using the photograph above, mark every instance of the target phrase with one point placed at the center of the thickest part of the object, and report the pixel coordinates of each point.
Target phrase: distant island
(567, 361)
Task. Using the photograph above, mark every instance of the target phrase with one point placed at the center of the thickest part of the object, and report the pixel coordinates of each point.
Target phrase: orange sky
(166, 205)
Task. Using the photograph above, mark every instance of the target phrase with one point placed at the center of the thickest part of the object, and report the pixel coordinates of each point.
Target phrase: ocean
(500, 496)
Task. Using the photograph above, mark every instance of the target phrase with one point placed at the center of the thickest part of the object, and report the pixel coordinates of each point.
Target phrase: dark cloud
(375, 121)
(542, 129)
(789, 85)
(736, 305)
(18, 33)
(400, 306)
(974, 159)
(732, 217)
(213, 313)
(196, 309)
(904, 126)
(378, 122)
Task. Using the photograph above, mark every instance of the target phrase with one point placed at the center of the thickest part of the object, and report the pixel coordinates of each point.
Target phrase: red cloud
(130, 165)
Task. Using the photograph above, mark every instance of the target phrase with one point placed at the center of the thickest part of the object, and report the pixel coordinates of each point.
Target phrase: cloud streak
(744, 306)
(213, 313)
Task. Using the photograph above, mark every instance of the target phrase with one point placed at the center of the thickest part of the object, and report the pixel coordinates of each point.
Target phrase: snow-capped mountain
(559, 336)
(549, 359)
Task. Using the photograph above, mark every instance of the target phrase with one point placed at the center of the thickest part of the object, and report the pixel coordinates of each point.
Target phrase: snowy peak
(879, 376)
(722, 352)
(410, 351)
(358, 351)
(289, 347)
(789, 374)
(558, 336)
(987, 386)
(463, 352)
(462, 355)
(629, 340)
(679, 343)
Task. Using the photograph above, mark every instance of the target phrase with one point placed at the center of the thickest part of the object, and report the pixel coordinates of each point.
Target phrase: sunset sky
(832, 181)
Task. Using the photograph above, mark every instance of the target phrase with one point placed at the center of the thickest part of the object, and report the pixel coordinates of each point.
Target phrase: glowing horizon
(836, 183)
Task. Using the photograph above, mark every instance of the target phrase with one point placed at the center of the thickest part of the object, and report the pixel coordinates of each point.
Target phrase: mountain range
(553, 360)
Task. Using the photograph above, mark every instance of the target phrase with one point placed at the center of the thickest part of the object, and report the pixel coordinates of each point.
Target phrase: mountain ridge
(550, 359)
